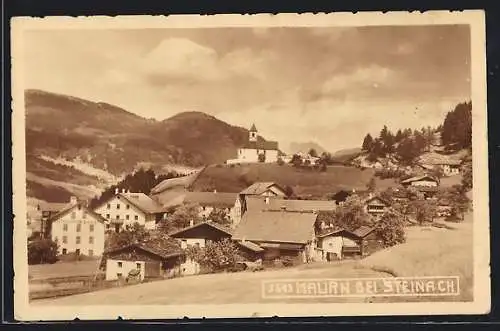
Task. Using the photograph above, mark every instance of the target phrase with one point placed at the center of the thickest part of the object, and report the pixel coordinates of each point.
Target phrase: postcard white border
(482, 299)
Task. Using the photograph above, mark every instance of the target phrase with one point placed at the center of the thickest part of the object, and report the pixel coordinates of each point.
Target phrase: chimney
(267, 200)
(73, 200)
(191, 223)
(117, 190)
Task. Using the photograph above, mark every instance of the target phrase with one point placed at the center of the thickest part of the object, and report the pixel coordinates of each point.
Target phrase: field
(446, 253)
(304, 182)
(62, 269)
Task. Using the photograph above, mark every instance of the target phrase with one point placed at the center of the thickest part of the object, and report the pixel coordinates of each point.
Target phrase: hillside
(95, 143)
(305, 183)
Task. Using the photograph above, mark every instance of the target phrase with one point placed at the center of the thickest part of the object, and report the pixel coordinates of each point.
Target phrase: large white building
(78, 230)
(255, 150)
(126, 208)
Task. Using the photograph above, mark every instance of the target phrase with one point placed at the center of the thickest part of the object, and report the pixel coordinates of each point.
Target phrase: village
(174, 232)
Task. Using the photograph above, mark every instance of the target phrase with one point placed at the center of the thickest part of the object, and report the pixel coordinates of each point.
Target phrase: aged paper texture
(250, 165)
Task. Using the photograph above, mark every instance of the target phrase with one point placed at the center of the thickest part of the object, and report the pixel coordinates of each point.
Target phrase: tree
(42, 251)
(219, 216)
(262, 157)
(289, 191)
(367, 143)
(372, 185)
(467, 177)
(399, 136)
(280, 161)
(457, 126)
(296, 160)
(218, 255)
(351, 215)
(181, 218)
(130, 234)
(312, 152)
(390, 229)
(406, 151)
(423, 210)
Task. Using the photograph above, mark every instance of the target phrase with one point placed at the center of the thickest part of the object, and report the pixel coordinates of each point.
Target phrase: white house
(256, 150)
(78, 230)
(126, 208)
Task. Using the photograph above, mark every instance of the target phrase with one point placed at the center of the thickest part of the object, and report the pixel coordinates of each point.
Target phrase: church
(255, 150)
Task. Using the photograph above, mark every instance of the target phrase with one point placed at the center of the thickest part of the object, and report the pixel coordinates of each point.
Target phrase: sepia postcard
(236, 166)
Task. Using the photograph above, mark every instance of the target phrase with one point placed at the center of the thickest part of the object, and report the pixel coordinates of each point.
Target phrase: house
(338, 243)
(376, 206)
(201, 234)
(448, 164)
(230, 203)
(279, 233)
(154, 258)
(48, 210)
(420, 181)
(264, 189)
(78, 230)
(256, 150)
(126, 208)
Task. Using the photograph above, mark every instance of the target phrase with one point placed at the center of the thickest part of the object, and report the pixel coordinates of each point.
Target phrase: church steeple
(253, 133)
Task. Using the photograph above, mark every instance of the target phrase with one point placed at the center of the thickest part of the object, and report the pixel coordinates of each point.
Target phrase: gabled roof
(376, 197)
(363, 231)
(143, 202)
(53, 206)
(264, 145)
(276, 226)
(214, 225)
(211, 199)
(439, 159)
(259, 203)
(259, 188)
(253, 128)
(330, 232)
(418, 178)
(70, 207)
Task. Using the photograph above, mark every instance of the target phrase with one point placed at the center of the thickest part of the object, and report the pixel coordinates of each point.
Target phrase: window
(117, 217)
(91, 240)
(119, 274)
(120, 264)
(138, 265)
(78, 227)
(136, 217)
(65, 227)
(77, 251)
(64, 251)
(65, 239)
(108, 206)
(128, 207)
(77, 240)
(91, 252)
(84, 215)
(91, 227)
(73, 215)
(127, 217)
(117, 206)
(108, 216)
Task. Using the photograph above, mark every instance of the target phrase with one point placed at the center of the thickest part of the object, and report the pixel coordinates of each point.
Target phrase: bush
(390, 229)
(280, 161)
(42, 251)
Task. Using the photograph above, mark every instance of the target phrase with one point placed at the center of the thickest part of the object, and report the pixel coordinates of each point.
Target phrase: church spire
(253, 133)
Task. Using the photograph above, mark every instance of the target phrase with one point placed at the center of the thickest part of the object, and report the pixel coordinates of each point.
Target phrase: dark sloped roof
(276, 226)
(214, 225)
(253, 128)
(330, 232)
(259, 188)
(157, 244)
(54, 206)
(184, 182)
(251, 246)
(385, 202)
(363, 231)
(267, 145)
(418, 178)
(212, 199)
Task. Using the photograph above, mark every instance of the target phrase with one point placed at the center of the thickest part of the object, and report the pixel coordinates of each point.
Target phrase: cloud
(373, 76)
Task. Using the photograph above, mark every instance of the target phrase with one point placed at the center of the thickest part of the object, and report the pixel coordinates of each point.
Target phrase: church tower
(253, 133)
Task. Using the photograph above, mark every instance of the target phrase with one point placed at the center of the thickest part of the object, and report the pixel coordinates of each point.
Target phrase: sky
(330, 85)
